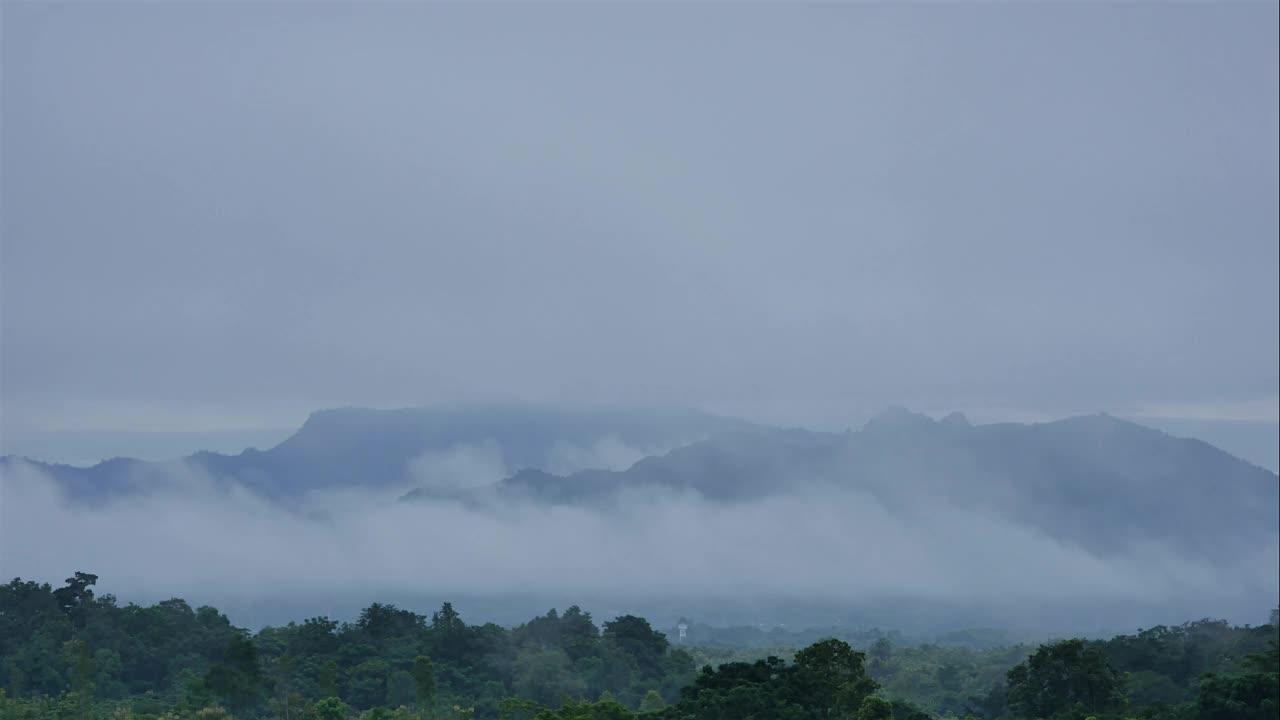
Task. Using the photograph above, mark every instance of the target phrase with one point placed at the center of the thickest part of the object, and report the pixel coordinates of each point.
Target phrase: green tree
(80, 660)
(75, 598)
(635, 638)
(652, 702)
(948, 677)
(239, 679)
(587, 711)
(832, 675)
(367, 683)
(401, 691)
(1066, 677)
(330, 708)
(327, 678)
(450, 634)
(1245, 696)
(545, 676)
(424, 682)
(578, 634)
(882, 649)
(283, 672)
(518, 709)
(874, 708)
(195, 692)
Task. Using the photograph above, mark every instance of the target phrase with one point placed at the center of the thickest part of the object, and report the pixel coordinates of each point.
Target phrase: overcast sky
(220, 217)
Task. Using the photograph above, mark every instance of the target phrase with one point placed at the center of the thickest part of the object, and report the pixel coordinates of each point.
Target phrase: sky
(217, 218)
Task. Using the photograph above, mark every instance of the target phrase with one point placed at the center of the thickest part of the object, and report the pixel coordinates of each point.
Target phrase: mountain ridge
(1097, 481)
(340, 447)
(1083, 478)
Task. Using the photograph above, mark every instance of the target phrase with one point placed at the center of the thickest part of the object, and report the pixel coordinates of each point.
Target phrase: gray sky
(220, 217)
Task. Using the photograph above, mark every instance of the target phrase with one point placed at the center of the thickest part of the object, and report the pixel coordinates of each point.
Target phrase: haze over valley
(911, 522)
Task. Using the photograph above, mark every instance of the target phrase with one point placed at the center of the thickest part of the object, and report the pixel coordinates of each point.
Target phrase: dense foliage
(68, 653)
(169, 655)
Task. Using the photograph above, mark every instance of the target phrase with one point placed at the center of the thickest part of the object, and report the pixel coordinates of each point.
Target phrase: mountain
(1095, 481)
(392, 448)
(1098, 482)
(906, 522)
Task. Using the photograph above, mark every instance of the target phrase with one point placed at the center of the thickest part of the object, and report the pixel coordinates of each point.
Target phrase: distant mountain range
(1119, 490)
(358, 447)
(1095, 481)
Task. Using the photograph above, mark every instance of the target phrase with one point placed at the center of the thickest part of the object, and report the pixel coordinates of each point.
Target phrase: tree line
(68, 653)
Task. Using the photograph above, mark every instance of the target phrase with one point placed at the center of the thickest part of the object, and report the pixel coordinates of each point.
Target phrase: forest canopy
(70, 653)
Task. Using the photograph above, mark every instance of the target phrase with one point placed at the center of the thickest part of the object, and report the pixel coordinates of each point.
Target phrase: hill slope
(1095, 481)
(357, 447)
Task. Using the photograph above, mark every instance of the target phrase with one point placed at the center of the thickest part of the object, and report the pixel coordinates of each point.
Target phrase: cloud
(473, 465)
(607, 453)
(196, 538)
(460, 467)
(1266, 409)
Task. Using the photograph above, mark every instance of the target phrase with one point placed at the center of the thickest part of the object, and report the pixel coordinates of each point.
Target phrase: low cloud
(199, 538)
(608, 453)
(460, 467)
